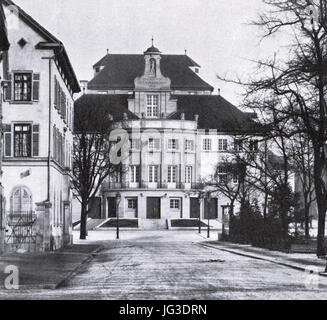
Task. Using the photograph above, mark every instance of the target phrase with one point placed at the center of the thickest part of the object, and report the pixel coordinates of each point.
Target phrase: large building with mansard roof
(193, 128)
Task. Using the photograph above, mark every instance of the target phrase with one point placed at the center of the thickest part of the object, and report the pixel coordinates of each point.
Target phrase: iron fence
(21, 228)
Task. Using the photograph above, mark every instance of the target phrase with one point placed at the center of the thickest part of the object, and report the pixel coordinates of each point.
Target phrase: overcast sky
(214, 32)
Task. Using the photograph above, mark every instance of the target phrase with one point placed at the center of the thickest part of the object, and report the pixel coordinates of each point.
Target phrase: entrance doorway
(95, 208)
(153, 208)
(194, 208)
(112, 209)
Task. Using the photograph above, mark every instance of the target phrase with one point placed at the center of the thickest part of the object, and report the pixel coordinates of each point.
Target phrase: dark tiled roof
(62, 55)
(120, 71)
(214, 113)
(116, 105)
(152, 50)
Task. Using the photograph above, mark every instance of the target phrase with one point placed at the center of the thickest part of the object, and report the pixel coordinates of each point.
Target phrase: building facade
(178, 130)
(4, 46)
(38, 134)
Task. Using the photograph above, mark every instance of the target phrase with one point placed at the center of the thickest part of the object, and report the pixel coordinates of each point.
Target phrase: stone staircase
(91, 224)
(153, 224)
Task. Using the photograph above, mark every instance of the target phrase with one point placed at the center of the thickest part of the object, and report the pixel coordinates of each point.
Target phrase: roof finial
(152, 40)
(107, 51)
(185, 52)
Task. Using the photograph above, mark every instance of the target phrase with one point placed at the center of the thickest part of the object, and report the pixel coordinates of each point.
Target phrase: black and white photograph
(163, 150)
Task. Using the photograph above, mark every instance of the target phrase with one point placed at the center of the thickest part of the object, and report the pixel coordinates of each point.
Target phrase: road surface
(176, 265)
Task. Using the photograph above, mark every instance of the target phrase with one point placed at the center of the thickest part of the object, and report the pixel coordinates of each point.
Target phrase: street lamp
(118, 199)
(199, 201)
(209, 209)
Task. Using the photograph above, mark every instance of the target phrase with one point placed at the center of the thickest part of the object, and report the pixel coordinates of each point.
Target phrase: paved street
(174, 265)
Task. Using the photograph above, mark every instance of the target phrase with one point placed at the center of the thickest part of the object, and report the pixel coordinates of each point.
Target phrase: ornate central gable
(152, 79)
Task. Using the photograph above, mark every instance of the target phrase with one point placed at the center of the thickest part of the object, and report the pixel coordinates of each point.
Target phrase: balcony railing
(146, 185)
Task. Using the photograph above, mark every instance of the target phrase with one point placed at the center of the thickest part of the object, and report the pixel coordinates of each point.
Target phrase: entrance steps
(153, 224)
(91, 224)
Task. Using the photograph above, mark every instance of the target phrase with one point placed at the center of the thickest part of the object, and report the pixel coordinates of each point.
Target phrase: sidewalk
(299, 261)
(47, 270)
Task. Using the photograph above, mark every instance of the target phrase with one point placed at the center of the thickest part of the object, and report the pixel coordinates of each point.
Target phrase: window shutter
(7, 138)
(54, 142)
(59, 98)
(36, 86)
(65, 108)
(36, 140)
(8, 90)
(63, 149)
(55, 92)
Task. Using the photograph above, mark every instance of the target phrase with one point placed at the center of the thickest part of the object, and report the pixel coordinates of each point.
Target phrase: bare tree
(298, 82)
(229, 180)
(269, 172)
(303, 159)
(91, 161)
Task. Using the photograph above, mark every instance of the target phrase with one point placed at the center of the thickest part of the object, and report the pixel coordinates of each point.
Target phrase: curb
(296, 267)
(71, 274)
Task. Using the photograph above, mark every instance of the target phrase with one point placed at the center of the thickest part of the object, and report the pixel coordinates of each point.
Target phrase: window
(189, 145)
(172, 144)
(23, 86)
(188, 174)
(132, 203)
(22, 140)
(21, 200)
(222, 144)
(135, 144)
(153, 174)
(116, 177)
(134, 174)
(172, 174)
(206, 144)
(152, 106)
(238, 145)
(175, 204)
(60, 100)
(222, 174)
(253, 145)
(154, 144)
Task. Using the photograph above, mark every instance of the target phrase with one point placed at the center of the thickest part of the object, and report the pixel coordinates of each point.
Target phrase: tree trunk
(321, 225)
(284, 222)
(83, 231)
(307, 221)
(321, 204)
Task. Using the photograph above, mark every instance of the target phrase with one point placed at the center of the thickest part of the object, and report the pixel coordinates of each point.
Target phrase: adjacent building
(179, 131)
(38, 134)
(4, 46)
